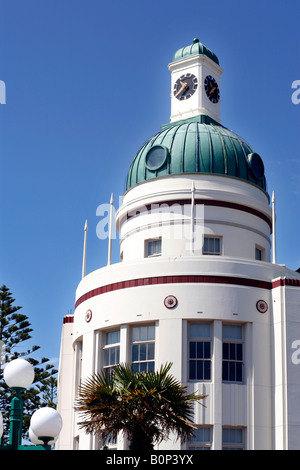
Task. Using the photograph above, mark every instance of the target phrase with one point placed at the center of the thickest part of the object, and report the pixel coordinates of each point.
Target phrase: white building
(196, 284)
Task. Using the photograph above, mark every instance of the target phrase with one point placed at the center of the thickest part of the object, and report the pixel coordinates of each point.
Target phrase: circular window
(256, 165)
(156, 157)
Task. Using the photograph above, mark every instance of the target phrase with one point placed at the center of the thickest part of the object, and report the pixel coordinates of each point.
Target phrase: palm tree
(146, 406)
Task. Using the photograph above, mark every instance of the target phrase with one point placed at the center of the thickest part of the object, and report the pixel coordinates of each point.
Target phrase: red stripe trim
(68, 319)
(183, 279)
(286, 283)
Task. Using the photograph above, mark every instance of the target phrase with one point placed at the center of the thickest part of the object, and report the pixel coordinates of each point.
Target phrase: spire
(110, 229)
(274, 229)
(84, 249)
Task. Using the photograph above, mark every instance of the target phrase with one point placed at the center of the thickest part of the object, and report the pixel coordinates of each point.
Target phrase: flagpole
(84, 250)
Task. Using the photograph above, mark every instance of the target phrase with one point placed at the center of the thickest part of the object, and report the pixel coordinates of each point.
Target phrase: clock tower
(195, 83)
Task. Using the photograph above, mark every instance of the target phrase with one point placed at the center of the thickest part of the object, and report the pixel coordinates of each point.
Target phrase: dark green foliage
(15, 329)
(146, 406)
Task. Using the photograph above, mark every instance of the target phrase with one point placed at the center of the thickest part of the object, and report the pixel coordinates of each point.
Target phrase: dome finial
(195, 40)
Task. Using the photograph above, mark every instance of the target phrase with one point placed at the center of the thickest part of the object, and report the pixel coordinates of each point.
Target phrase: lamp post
(46, 423)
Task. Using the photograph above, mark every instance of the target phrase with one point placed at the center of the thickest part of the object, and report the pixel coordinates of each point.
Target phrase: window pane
(231, 371)
(150, 351)
(199, 370)
(113, 337)
(207, 370)
(106, 358)
(153, 247)
(232, 349)
(143, 333)
(206, 350)
(136, 333)
(212, 245)
(239, 372)
(225, 350)
(232, 331)
(199, 350)
(143, 349)
(192, 370)
(151, 366)
(232, 436)
(135, 352)
(239, 352)
(193, 349)
(199, 330)
(225, 370)
(151, 332)
(112, 356)
(143, 366)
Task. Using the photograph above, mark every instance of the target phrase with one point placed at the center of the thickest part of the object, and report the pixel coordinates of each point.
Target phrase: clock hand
(184, 85)
(212, 90)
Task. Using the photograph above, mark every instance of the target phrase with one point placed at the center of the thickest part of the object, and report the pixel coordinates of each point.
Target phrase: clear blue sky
(87, 83)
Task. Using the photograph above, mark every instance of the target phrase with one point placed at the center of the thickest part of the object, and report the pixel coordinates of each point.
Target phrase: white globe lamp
(19, 374)
(36, 441)
(46, 424)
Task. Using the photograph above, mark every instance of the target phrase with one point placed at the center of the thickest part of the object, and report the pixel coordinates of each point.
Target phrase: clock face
(185, 86)
(212, 89)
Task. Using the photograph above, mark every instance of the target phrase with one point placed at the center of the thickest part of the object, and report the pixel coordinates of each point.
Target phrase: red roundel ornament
(170, 301)
(88, 316)
(262, 306)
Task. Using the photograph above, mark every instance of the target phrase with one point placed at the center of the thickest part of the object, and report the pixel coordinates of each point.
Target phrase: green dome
(195, 49)
(196, 145)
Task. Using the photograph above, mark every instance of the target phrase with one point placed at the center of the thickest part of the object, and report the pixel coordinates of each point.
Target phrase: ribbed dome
(194, 49)
(196, 145)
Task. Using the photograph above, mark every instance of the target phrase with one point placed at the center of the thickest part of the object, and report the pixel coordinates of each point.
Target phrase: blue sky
(87, 82)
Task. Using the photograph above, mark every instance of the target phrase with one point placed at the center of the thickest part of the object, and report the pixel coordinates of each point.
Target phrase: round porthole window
(256, 165)
(156, 157)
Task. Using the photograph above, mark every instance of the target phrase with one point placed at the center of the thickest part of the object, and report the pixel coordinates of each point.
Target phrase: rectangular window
(201, 439)
(232, 367)
(259, 253)
(233, 439)
(143, 348)
(199, 351)
(111, 349)
(153, 247)
(212, 245)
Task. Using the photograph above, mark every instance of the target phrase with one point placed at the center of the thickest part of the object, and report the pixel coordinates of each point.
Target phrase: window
(233, 439)
(111, 349)
(143, 348)
(153, 247)
(199, 351)
(212, 245)
(232, 367)
(201, 439)
(259, 253)
(110, 442)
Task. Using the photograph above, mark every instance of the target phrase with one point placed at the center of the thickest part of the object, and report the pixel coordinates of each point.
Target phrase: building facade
(197, 283)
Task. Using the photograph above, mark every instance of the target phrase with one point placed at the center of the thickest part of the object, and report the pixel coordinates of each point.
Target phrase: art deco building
(195, 284)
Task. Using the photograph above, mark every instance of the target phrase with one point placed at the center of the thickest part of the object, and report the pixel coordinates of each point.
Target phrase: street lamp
(46, 423)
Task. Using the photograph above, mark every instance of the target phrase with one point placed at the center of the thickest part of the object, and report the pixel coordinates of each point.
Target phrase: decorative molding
(262, 306)
(187, 279)
(170, 301)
